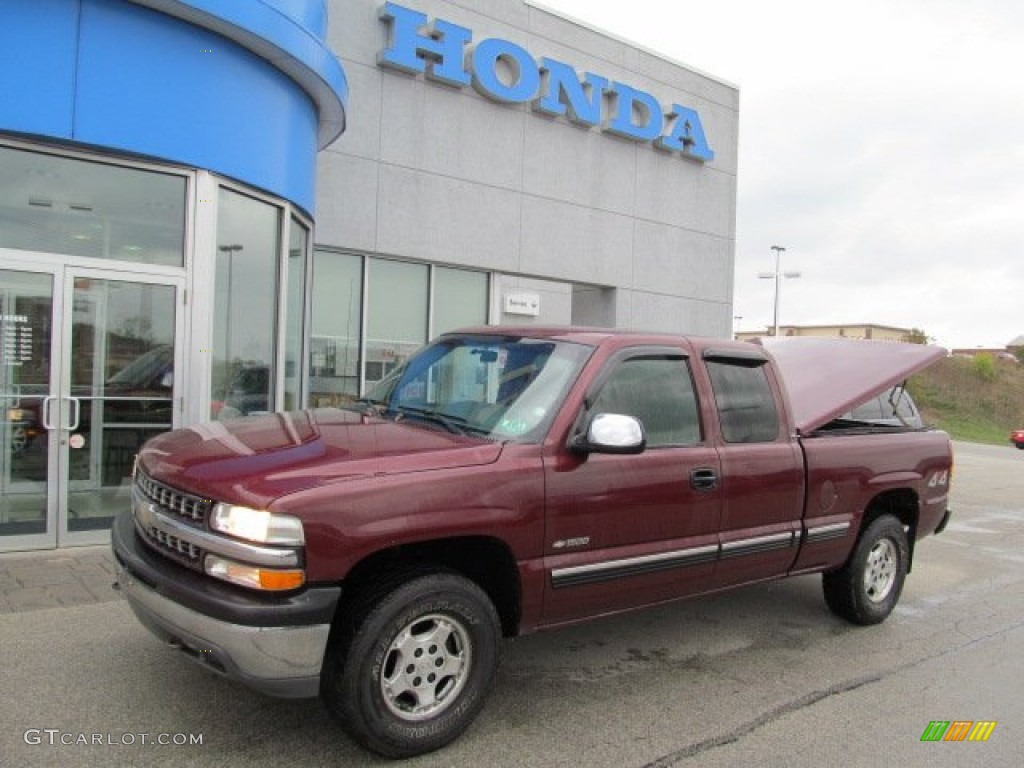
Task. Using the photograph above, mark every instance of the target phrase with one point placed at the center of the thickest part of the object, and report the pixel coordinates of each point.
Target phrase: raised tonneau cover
(827, 377)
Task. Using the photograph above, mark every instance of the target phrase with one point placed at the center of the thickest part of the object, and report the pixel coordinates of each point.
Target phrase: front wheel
(415, 668)
(866, 589)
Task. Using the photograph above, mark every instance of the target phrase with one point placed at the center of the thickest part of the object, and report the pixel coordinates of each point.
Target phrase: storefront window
(298, 237)
(244, 306)
(460, 299)
(397, 298)
(80, 208)
(334, 338)
(396, 316)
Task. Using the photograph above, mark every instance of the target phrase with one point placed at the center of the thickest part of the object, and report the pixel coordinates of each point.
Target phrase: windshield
(503, 388)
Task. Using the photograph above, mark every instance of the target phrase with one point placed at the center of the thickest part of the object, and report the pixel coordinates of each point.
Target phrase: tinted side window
(871, 410)
(746, 408)
(659, 392)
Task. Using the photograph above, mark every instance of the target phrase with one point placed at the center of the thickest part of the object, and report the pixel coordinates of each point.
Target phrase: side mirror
(612, 433)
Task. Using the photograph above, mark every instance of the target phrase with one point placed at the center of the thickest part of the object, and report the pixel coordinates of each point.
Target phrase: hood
(255, 460)
(827, 377)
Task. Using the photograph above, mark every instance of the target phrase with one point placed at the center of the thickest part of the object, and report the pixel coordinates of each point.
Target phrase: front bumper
(273, 644)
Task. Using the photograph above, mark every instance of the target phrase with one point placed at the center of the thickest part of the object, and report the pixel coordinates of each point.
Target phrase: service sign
(507, 73)
(522, 304)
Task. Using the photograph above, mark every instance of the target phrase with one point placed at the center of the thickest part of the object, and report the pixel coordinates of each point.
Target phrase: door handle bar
(47, 424)
(77, 406)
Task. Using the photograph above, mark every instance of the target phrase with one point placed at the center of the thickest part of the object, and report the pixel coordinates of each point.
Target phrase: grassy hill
(971, 400)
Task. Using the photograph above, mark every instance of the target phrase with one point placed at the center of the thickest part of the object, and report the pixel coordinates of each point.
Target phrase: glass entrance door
(118, 391)
(94, 378)
(28, 304)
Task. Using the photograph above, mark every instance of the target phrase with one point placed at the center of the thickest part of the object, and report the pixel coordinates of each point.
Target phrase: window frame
(109, 158)
(750, 360)
(366, 261)
(202, 288)
(639, 353)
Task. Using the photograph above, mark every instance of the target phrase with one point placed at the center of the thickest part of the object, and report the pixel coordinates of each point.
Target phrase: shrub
(984, 367)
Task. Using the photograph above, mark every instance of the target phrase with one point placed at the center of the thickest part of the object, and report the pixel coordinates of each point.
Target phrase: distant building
(854, 331)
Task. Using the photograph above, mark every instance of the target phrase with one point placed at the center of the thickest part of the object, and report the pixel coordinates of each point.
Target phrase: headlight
(254, 576)
(257, 525)
(16, 414)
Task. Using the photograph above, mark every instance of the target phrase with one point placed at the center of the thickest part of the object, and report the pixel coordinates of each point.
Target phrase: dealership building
(213, 208)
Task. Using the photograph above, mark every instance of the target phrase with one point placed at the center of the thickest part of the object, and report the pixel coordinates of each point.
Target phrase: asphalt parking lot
(762, 676)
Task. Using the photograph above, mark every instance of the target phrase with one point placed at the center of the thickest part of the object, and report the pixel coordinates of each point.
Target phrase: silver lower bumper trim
(280, 661)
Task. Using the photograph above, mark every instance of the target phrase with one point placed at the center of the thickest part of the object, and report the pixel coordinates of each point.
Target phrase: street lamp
(777, 276)
(229, 301)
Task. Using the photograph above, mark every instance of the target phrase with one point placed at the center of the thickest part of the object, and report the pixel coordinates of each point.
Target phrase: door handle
(703, 479)
(47, 424)
(76, 404)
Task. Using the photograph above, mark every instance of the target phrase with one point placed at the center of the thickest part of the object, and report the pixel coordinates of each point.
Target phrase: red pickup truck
(507, 480)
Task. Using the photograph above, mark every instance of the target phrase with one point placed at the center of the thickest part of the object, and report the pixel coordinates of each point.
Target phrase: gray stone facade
(606, 230)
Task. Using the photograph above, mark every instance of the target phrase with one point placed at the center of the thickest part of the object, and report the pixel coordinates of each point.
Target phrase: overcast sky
(881, 143)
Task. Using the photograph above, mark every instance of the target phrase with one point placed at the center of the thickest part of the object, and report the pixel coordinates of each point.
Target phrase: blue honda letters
(508, 73)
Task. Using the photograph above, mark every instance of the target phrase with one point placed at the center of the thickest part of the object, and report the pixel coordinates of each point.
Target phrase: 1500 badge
(579, 541)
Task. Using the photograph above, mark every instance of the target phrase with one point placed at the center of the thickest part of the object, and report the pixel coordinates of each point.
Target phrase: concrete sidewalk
(30, 581)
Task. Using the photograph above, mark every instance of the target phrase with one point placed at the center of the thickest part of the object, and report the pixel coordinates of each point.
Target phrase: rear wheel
(867, 588)
(414, 668)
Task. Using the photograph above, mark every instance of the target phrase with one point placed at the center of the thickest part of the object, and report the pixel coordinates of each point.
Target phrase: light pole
(777, 276)
(229, 301)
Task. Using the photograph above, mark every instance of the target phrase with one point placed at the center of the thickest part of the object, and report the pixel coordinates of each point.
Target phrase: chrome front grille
(190, 512)
(172, 523)
(183, 505)
(175, 545)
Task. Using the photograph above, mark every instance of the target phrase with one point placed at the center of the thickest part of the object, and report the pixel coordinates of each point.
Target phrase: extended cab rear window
(743, 395)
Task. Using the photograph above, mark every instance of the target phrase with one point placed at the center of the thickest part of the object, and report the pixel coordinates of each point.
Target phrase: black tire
(866, 589)
(412, 668)
(1020, 446)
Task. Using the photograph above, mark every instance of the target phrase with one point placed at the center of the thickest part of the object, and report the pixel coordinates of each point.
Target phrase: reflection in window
(396, 325)
(659, 392)
(122, 339)
(334, 338)
(460, 299)
(397, 315)
(295, 322)
(122, 382)
(26, 306)
(80, 208)
(746, 405)
(245, 301)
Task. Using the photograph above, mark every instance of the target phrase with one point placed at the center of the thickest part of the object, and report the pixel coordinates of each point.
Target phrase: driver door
(630, 530)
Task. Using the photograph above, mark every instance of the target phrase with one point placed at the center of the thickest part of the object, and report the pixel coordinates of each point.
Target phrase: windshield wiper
(454, 424)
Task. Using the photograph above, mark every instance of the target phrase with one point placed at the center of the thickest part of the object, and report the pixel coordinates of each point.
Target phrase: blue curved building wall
(118, 75)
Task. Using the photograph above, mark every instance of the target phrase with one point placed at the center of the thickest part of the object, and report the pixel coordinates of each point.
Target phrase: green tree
(917, 336)
(984, 366)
